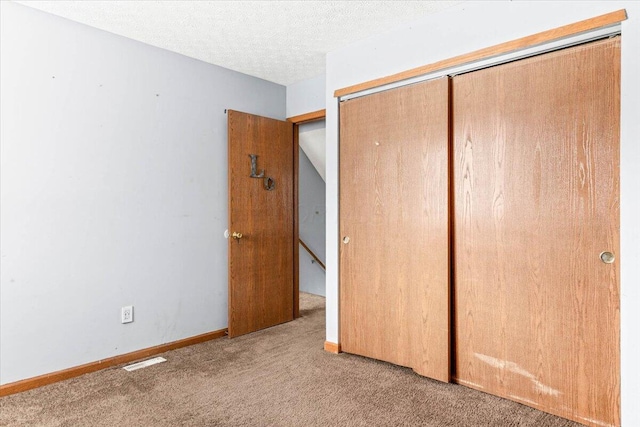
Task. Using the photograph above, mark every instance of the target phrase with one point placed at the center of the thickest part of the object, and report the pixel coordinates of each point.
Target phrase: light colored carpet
(276, 377)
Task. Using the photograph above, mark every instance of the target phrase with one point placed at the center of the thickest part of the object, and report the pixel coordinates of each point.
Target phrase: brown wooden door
(536, 173)
(261, 208)
(394, 259)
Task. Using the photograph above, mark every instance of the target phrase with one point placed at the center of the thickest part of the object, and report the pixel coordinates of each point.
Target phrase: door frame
(298, 120)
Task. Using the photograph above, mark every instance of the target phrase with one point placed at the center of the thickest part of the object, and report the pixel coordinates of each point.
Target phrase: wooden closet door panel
(394, 270)
(536, 177)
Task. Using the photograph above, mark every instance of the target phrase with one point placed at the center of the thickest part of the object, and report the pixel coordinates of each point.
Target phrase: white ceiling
(280, 41)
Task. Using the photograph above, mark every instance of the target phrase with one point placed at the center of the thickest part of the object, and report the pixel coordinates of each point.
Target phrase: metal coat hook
(269, 184)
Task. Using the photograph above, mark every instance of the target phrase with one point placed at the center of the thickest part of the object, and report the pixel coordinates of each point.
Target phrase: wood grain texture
(76, 371)
(394, 272)
(261, 263)
(332, 347)
(488, 52)
(536, 172)
(308, 117)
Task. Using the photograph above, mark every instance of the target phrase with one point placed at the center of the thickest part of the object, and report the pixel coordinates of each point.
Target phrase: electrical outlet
(127, 314)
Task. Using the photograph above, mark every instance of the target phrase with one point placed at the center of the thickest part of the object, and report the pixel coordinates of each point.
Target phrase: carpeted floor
(277, 377)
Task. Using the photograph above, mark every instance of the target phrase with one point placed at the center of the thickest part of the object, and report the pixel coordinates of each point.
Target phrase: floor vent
(144, 364)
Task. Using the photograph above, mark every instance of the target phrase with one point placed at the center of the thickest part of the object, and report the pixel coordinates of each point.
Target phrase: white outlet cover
(127, 314)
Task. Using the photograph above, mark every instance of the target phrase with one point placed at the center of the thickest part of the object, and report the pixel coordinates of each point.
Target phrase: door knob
(607, 257)
(346, 239)
(236, 235)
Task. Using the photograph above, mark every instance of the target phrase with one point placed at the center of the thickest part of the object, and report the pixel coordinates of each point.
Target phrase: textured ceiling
(281, 41)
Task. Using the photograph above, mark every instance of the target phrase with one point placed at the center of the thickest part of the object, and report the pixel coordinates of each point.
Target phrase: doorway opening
(309, 140)
(311, 207)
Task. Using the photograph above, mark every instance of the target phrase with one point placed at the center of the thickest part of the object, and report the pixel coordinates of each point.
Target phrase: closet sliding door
(394, 257)
(536, 178)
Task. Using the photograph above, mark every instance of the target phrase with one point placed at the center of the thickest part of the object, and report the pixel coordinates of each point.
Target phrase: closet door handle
(607, 257)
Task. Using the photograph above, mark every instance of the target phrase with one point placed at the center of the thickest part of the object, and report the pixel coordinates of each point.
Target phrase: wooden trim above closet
(308, 117)
(499, 49)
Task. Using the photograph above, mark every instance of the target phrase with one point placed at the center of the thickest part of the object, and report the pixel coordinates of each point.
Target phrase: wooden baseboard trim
(332, 347)
(65, 374)
(308, 117)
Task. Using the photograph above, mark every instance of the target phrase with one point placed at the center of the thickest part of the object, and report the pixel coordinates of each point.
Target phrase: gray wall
(312, 221)
(113, 192)
(306, 96)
